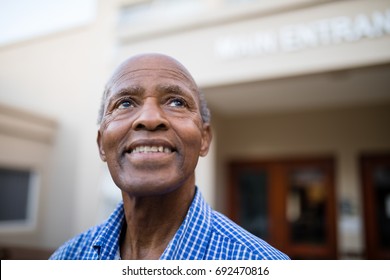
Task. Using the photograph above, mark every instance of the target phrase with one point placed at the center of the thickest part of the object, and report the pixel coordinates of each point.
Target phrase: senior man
(154, 125)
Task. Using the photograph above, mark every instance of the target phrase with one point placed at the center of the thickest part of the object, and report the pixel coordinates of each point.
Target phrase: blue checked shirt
(204, 235)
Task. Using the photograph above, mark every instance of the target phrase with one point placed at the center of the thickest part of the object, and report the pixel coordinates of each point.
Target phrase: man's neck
(151, 222)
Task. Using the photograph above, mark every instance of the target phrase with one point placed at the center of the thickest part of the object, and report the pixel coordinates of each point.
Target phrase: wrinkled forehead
(152, 65)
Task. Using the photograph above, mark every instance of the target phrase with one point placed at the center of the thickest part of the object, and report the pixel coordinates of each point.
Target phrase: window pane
(382, 193)
(306, 205)
(14, 187)
(253, 214)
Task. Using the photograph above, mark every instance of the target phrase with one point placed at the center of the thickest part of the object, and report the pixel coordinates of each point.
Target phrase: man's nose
(151, 117)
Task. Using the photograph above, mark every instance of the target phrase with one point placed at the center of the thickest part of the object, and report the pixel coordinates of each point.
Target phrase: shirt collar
(192, 238)
(106, 244)
(193, 234)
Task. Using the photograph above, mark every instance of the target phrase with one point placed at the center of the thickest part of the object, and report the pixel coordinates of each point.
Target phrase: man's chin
(148, 188)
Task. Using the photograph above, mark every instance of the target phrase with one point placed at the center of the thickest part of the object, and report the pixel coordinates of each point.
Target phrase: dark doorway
(288, 202)
(375, 170)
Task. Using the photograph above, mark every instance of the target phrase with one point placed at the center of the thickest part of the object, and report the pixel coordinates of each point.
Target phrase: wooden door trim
(277, 207)
(367, 162)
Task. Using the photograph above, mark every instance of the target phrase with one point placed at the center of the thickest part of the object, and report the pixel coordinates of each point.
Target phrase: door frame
(277, 195)
(367, 162)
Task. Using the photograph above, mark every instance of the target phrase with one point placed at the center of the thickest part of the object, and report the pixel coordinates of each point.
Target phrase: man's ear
(206, 139)
(100, 145)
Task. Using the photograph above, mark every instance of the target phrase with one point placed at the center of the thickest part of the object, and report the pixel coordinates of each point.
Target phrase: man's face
(152, 133)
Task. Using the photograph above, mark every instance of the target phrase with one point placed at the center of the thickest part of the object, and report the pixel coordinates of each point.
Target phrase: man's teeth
(151, 149)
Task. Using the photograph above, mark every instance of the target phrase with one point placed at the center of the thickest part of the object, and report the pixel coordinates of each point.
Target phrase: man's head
(154, 125)
(204, 110)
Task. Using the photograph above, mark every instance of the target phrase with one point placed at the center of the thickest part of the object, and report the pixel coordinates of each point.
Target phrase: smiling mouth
(151, 149)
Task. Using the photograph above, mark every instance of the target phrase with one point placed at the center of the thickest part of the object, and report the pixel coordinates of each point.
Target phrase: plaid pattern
(204, 235)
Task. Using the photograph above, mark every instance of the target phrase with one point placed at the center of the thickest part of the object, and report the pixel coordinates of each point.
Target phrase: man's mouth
(151, 149)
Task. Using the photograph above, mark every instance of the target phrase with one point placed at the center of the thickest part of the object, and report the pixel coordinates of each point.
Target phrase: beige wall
(26, 144)
(195, 43)
(61, 77)
(343, 133)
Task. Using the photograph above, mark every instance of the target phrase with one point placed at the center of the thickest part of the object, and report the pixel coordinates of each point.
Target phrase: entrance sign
(298, 37)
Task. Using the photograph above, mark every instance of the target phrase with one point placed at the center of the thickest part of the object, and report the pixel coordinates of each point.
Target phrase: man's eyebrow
(130, 90)
(175, 89)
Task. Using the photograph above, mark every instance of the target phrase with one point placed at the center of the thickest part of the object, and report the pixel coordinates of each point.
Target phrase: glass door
(376, 193)
(289, 203)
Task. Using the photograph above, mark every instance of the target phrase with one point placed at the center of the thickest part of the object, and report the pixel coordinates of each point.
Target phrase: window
(18, 199)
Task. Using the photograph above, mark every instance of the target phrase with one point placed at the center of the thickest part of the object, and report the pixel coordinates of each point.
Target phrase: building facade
(300, 101)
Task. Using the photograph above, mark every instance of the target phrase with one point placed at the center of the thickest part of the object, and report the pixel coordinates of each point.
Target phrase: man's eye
(176, 102)
(125, 104)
